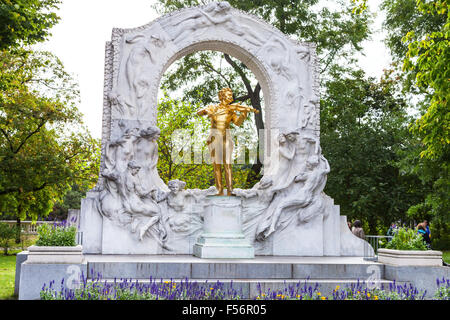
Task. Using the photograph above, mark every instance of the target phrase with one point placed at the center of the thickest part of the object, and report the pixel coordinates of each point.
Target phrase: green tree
(71, 200)
(44, 148)
(7, 234)
(25, 22)
(364, 129)
(429, 57)
(421, 42)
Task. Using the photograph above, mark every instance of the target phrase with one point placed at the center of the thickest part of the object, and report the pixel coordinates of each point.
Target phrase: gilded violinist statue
(220, 143)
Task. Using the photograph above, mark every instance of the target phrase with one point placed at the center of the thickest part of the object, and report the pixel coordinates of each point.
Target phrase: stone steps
(258, 268)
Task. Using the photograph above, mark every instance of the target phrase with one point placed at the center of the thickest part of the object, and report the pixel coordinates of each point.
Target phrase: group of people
(423, 229)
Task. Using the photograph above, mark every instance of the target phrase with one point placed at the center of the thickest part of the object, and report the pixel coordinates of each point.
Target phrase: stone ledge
(40, 249)
(410, 257)
(55, 254)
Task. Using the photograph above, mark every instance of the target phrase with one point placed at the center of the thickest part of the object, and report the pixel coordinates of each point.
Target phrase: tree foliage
(25, 22)
(363, 132)
(422, 44)
(42, 152)
(429, 57)
(7, 234)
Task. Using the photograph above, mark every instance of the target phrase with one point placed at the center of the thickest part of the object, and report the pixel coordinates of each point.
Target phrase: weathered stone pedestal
(222, 235)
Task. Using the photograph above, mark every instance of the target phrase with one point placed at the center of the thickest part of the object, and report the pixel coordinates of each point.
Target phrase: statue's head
(289, 136)
(292, 136)
(312, 161)
(226, 95)
(130, 132)
(151, 132)
(223, 5)
(176, 185)
(157, 40)
(134, 167)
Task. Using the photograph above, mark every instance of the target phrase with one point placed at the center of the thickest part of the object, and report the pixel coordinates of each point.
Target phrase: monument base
(223, 245)
(222, 235)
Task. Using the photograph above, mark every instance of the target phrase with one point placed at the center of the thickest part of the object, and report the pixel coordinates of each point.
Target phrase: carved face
(174, 187)
(312, 162)
(157, 40)
(134, 170)
(223, 6)
(226, 96)
(291, 137)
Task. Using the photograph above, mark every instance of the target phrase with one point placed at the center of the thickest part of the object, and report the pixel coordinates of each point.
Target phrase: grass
(7, 276)
(446, 256)
(8, 268)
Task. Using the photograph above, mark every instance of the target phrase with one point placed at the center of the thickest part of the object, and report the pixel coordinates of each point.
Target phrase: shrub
(406, 239)
(56, 235)
(7, 234)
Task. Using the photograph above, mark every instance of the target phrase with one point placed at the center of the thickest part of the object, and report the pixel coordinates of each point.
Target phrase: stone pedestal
(222, 235)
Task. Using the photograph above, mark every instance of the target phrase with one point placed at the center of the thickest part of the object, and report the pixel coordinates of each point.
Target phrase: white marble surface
(222, 235)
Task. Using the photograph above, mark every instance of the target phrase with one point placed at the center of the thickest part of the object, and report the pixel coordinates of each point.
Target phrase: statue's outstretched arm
(238, 120)
(204, 111)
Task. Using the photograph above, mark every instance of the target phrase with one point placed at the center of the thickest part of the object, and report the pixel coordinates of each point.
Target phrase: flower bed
(127, 289)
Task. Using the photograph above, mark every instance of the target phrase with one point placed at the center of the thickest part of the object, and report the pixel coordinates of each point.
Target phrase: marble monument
(132, 211)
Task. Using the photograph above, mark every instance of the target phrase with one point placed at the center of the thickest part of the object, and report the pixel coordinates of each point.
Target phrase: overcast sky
(85, 25)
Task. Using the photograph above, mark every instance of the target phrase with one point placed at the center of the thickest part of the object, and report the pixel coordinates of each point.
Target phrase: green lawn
(7, 276)
(446, 256)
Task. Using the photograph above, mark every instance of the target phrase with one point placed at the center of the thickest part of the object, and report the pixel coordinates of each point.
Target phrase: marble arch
(119, 216)
(287, 70)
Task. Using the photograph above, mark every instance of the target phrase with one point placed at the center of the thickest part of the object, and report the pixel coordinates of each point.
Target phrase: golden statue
(219, 142)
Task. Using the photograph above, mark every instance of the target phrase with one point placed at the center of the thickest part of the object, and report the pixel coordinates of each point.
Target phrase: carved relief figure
(302, 177)
(137, 201)
(131, 177)
(280, 58)
(307, 187)
(213, 14)
(308, 118)
(121, 150)
(255, 202)
(182, 217)
(129, 97)
(147, 155)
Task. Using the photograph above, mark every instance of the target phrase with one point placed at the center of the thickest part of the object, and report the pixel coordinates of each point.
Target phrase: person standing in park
(392, 230)
(427, 228)
(358, 230)
(421, 229)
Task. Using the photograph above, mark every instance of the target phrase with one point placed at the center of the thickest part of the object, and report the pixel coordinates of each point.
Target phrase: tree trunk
(18, 230)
